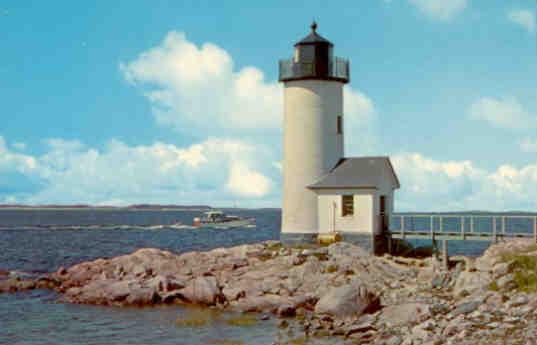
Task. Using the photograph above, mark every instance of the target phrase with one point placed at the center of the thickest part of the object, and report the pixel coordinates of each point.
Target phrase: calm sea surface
(41, 241)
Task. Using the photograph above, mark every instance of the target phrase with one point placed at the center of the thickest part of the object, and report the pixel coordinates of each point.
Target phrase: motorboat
(218, 219)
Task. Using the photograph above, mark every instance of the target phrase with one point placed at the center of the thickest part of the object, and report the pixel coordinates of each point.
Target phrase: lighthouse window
(339, 125)
(347, 205)
(305, 53)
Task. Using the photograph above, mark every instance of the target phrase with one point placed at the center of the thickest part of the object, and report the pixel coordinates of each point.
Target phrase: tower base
(368, 242)
(292, 239)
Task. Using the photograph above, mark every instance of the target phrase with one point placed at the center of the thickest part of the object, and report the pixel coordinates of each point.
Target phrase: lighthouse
(317, 197)
(313, 121)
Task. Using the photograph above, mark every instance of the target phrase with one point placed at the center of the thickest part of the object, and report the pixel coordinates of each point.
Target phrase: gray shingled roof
(357, 172)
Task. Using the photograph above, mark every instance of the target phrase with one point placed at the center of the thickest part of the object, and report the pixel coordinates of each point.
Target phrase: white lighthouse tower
(313, 129)
(323, 191)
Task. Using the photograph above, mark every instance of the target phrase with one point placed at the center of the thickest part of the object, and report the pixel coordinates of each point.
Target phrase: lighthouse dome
(314, 59)
(313, 38)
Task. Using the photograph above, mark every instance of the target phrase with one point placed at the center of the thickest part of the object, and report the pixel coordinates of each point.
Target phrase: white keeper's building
(323, 191)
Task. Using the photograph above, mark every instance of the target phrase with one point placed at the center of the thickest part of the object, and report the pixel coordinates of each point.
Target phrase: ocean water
(39, 241)
(43, 240)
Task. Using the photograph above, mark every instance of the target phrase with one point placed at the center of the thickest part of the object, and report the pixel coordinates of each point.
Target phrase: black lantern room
(314, 59)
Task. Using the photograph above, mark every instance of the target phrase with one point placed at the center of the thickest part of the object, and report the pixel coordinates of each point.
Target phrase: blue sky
(178, 101)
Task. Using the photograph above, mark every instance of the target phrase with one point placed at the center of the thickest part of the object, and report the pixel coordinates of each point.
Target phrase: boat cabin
(214, 216)
(218, 216)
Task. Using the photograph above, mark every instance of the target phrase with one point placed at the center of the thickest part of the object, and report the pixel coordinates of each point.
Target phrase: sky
(178, 101)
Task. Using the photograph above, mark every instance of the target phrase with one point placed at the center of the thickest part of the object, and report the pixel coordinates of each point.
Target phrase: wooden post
(494, 236)
(445, 256)
(441, 224)
(535, 229)
(503, 226)
(432, 227)
(403, 227)
(390, 244)
(334, 206)
(462, 227)
(472, 224)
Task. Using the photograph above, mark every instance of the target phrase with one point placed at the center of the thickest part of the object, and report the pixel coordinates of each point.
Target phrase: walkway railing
(481, 227)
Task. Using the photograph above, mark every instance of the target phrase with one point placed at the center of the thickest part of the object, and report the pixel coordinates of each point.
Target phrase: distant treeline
(137, 206)
(197, 207)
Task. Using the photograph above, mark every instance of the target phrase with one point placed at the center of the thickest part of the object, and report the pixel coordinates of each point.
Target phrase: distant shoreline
(97, 209)
(112, 208)
(198, 208)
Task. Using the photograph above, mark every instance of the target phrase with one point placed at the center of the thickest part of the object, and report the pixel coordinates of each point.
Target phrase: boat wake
(98, 227)
(117, 227)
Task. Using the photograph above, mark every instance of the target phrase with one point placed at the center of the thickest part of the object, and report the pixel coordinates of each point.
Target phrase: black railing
(337, 69)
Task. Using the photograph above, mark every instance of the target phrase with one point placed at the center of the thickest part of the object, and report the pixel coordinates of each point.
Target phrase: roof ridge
(356, 157)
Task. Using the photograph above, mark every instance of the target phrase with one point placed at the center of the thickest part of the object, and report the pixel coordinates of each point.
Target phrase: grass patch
(349, 272)
(302, 246)
(525, 270)
(265, 256)
(274, 247)
(494, 286)
(321, 256)
(229, 342)
(298, 341)
(300, 317)
(331, 269)
(529, 249)
(243, 320)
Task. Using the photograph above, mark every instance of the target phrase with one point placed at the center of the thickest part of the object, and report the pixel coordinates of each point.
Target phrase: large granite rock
(16, 284)
(350, 300)
(470, 282)
(202, 290)
(403, 314)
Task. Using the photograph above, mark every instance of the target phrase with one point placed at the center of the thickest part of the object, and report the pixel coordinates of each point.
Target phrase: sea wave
(98, 227)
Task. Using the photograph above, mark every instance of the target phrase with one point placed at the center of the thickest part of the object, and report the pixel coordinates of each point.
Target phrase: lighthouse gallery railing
(338, 68)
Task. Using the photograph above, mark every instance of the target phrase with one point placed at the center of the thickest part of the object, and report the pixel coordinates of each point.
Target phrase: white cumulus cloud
(437, 184)
(197, 87)
(502, 113)
(215, 171)
(246, 182)
(434, 185)
(528, 145)
(15, 162)
(523, 18)
(442, 10)
(220, 171)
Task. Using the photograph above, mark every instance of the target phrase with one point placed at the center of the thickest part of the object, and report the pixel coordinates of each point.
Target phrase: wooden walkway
(457, 227)
(463, 227)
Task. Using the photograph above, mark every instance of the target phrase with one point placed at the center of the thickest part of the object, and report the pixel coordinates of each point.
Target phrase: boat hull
(230, 224)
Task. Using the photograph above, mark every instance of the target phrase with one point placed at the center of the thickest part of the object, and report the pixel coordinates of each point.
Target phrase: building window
(339, 125)
(347, 205)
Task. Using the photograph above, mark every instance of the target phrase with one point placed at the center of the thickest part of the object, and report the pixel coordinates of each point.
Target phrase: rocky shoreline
(339, 291)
